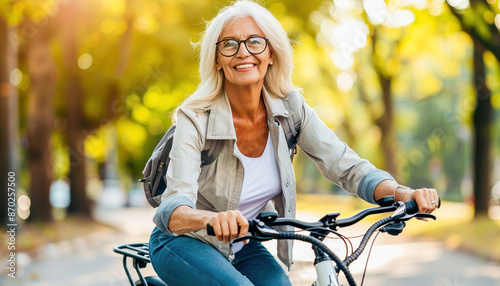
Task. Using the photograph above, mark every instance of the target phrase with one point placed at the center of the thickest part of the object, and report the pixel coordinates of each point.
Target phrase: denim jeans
(182, 260)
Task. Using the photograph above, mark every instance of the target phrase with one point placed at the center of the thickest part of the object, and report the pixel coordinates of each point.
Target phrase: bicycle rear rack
(139, 252)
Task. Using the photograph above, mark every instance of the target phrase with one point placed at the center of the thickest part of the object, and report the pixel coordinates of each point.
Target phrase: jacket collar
(220, 119)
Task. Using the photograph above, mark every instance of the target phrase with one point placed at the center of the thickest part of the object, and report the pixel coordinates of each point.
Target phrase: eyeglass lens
(230, 47)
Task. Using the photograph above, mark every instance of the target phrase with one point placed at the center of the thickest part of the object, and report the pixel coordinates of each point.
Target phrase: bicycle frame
(326, 274)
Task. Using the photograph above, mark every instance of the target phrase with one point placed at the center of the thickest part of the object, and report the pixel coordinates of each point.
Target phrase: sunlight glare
(435, 9)
(376, 10)
(352, 35)
(459, 4)
(344, 4)
(400, 18)
(345, 81)
(419, 4)
(342, 60)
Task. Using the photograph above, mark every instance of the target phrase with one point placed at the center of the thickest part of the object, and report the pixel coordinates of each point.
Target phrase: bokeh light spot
(23, 214)
(16, 77)
(85, 61)
(497, 21)
(141, 114)
(24, 203)
(459, 4)
(345, 81)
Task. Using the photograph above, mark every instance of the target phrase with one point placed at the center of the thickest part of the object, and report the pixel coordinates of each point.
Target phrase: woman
(245, 68)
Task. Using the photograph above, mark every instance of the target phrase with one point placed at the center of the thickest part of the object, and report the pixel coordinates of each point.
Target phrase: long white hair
(278, 79)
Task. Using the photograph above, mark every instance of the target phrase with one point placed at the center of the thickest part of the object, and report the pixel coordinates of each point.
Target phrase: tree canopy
(395, 81)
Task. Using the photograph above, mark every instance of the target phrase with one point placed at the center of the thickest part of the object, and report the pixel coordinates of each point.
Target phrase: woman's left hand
(427, 199)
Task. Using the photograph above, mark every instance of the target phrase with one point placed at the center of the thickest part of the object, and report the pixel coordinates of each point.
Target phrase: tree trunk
(386, 124)
(8, 115)
(42, 72)
(75, 135)
(482, 135)
(386, 121)
(483, 112)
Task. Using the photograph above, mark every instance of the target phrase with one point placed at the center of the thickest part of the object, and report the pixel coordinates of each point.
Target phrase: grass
(454, 226)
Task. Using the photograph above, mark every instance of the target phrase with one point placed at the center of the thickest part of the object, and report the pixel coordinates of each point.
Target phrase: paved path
(394, 260)
(88, 260)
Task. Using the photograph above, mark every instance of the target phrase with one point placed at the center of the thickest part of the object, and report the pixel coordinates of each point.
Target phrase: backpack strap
(209, 155)
(292, 124)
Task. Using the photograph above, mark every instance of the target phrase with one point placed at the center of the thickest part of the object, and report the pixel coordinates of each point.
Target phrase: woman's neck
(245, 101)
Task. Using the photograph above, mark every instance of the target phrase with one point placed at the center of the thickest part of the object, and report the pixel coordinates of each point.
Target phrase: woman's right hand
(229, 225)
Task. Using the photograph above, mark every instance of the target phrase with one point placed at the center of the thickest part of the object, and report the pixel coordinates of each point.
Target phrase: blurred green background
(88, 87)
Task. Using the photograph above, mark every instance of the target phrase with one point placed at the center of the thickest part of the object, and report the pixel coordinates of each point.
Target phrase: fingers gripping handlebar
(260, 231)
(412, 207)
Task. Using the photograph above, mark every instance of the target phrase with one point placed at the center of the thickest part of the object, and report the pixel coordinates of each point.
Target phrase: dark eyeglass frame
(239, 45)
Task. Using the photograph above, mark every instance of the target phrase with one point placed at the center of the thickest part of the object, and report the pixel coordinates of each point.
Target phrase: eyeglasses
(230, 47)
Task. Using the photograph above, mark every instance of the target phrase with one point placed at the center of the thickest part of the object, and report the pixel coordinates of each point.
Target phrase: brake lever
(262, 232)
(416, 215)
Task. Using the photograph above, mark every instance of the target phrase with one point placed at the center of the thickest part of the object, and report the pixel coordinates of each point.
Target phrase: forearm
(392, 188)
(227, 225)
(426, 198)
(185, 219)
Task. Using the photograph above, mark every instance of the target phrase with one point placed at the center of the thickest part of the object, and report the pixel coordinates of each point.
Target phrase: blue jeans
(182, 260)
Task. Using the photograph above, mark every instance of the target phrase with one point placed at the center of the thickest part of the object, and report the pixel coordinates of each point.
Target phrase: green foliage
(137, 61)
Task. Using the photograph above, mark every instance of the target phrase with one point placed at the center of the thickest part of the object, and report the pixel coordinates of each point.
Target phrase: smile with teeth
(245, 66)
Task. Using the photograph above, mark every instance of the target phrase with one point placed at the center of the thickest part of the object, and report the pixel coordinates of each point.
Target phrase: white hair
(278, 79)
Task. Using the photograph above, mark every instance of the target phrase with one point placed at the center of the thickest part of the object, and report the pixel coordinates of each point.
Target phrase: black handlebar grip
(412, 207)
(210, 230)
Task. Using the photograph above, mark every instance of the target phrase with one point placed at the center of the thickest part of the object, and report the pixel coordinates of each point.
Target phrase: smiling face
(243, 69)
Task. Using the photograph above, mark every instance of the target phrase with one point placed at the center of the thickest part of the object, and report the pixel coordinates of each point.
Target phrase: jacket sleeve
(335, 160)
(183, 170)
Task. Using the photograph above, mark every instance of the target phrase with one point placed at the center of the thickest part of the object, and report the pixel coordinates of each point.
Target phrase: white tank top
(261, 183)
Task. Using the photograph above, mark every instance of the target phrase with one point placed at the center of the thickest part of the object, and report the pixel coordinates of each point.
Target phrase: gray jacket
(217, 187)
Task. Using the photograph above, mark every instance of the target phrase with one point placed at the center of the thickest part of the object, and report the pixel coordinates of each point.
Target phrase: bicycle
(261, 229)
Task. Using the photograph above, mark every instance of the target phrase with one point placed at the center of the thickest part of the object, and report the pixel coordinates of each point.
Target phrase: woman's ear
(271, 56)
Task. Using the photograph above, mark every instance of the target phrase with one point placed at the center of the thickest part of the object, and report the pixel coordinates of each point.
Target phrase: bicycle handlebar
(411, 207)
(261, 228)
